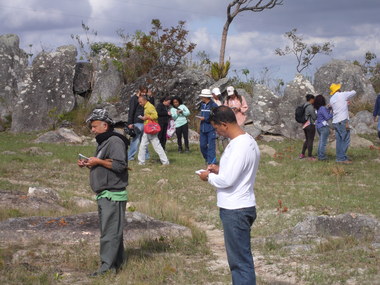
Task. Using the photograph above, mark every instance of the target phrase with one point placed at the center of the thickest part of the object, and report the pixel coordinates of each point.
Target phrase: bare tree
(238, 6)
(303, 52)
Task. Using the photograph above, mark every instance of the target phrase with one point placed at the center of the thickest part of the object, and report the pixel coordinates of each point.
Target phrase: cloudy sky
(353, 27)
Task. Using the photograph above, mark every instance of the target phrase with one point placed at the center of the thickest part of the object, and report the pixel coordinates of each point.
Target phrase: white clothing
(339, 105)
(145, 140)
(237, 173)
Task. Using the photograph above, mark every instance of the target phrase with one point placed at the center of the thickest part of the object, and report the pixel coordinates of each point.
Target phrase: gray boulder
(349, 75)
(264, 110)
(82, 84)
(47, 91)
(62, 135)
(294, 95)
(13, 62)
(107, 79)
(363, 123)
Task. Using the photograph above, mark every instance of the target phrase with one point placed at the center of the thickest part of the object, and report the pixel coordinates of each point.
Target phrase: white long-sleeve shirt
(339, 105)
(237, 173)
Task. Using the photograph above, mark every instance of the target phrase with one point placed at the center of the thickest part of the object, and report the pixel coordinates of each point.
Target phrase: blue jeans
(323, 133)
(237, 239)
(342, 135)
(134, 146)
(208, 146)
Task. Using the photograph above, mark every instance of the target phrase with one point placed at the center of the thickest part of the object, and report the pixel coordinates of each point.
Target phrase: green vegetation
(174, 193)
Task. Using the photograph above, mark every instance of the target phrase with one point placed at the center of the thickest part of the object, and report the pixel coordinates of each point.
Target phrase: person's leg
(211, 152)
(111, 222)
(237, 239)
(203, 144)
(324, 133)
(158, 149)
(185, 130)
(310, 139)
(162, 135)
(340, 135)
(178, 132)
(134, 146)
(143, 147)
(378, 126)
(304, 146)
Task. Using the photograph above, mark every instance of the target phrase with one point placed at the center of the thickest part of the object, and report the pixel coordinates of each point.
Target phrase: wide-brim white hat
(205, 93)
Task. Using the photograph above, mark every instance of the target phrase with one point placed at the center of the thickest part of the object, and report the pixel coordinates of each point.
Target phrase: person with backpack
(309, 127)
(323, 116)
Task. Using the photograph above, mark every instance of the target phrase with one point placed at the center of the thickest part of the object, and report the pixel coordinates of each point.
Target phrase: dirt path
(269, 273)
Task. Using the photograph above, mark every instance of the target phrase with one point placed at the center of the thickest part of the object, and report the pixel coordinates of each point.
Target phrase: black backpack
(300, 114)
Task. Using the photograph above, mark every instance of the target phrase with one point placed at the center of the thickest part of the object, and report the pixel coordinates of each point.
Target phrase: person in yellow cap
(339, 105)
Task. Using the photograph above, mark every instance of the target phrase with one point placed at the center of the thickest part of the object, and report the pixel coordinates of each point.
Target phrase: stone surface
(265, 149)
(363, 123)
(13, 63)
(349, 75)
(83, 227)
(107, 80)
(46, 92)
(82, 82)
(42, 192)
(62, 135)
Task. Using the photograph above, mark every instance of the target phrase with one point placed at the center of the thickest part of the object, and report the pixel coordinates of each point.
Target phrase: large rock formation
(349, 75)
(107, 79)
(47, 91)
(13, 62)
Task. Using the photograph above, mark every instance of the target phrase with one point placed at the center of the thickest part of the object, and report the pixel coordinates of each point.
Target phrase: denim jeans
(134, 146)
(323, 133)
(342, 135)
(208, 146)
(237, 239)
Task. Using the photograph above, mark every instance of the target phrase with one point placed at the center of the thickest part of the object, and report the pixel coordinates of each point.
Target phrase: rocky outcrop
(349, 75)
(13, 63)
(62, 135)
(363, 123)
(107, 79)
(46, 92)
(83, 227)
(82, 84)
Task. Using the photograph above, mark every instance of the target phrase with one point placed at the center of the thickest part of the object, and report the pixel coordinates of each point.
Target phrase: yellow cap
(334, 87)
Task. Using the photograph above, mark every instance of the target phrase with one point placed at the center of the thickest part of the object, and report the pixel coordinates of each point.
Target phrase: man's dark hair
(319, 102)
(165, 98)
(309, 96)
(144, 97)
(222, 114)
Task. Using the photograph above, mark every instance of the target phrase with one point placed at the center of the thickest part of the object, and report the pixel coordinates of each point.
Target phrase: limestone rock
(43, 192)
(107, 79)
(82, 82)
(47, 91)
(363, 123)
(77, 228)
(294, 95)
(62, 135)
(265, 149)
(349, 75)
(13, 63)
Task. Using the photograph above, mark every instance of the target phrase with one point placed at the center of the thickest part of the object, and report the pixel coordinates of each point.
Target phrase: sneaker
(301, 156)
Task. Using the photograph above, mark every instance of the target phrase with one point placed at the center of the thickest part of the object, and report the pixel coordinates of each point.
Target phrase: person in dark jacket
(108, 179)
(207, 131)
(163, 112)
(309, 127)
(376, 113)
(135, 122)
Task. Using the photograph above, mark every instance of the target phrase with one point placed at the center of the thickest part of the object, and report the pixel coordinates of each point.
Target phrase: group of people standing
(318, 114)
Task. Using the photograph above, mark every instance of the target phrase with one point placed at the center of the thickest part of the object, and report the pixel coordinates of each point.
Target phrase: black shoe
(101, 273)
(180, 149)
(187, 150)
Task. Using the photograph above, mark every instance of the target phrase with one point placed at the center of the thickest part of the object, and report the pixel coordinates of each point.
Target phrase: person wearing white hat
(207, 131)
(238, 104)
(216, 96)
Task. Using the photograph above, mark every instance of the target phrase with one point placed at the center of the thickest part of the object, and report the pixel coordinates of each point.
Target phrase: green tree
(303, 52)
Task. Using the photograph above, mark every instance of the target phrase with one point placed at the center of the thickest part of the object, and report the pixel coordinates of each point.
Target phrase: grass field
(304, 188)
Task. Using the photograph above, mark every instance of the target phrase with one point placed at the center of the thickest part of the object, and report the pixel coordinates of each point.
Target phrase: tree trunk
(224, 42)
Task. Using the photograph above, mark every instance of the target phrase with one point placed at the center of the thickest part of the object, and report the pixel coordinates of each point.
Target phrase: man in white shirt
(339, 104)
(234, 179)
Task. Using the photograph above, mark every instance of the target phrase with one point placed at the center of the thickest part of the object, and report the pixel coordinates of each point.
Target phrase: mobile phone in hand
(82, 157)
